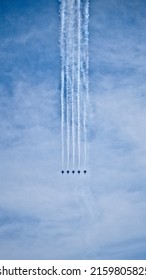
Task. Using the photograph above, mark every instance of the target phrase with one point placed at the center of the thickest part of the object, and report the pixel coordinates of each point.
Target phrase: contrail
(78, 80)
(68, 36)
(74, 83)
(86, 73)
(62, 40)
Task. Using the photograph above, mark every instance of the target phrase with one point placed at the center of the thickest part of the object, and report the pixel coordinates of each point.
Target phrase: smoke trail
(73, 85)
(68, 37)
(74, 82)
(70, 81)
(62, 40)
(86, 73)
(78, 80)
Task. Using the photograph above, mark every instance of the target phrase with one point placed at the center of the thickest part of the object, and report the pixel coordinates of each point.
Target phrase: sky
(46, 215)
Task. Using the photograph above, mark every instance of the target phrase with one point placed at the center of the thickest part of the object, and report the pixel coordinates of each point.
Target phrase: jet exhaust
(74, 41)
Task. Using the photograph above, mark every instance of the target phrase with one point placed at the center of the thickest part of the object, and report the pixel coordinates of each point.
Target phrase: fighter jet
(85, 171)
(67, 171)
(62, 171)
(79, 171)
(73, 171)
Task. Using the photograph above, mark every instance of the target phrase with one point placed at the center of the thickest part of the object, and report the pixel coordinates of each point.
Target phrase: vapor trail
(74, 82)
(86, 73)
(68, 78)
(78, 81)
(62, 41)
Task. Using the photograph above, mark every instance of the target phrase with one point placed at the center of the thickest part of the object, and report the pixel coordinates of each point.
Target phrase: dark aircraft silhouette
(73, 171)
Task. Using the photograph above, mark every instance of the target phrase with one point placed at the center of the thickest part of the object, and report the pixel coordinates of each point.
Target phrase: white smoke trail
(78, 81)
(68, 37)
(67, 114)
(86, 74)
(73, 84)
(62, 40)
(74, 81)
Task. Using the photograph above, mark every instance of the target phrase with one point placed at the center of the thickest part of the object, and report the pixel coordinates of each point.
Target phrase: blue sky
(44, 215)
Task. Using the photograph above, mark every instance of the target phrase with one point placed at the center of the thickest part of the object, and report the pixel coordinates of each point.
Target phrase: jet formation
(73, 171)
